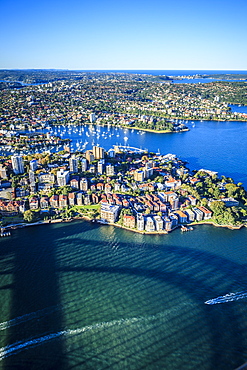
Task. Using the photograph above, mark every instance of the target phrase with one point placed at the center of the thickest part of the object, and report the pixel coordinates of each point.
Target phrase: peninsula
(127, 187)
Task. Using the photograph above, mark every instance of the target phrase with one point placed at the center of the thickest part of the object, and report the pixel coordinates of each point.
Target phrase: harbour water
(218, 146)
(80, 295)
(84, 296)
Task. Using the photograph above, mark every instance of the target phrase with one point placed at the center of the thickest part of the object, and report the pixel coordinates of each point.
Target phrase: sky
(123, 35)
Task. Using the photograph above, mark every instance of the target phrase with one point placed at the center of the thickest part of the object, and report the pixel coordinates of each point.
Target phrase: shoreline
(143, 232)
(230, 227)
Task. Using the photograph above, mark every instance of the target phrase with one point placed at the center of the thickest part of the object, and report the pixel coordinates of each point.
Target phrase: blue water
(80, 295)
(238, 108)
(217, 146)
(177, 73)
(173, 72)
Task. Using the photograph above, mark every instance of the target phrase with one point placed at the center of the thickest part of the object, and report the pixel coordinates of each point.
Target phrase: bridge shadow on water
(36, 291)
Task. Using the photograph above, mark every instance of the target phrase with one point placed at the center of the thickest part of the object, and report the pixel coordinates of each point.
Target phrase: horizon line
(117, 69)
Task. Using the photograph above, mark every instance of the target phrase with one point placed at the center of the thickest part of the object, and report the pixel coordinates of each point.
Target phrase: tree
(204, 202)
(231, 189)
(217, 207)
(29, 216)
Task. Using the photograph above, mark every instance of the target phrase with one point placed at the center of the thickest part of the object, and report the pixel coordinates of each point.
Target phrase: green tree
(29, 216)
(218, 207)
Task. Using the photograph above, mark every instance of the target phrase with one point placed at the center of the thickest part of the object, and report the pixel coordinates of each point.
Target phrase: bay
(218, 146)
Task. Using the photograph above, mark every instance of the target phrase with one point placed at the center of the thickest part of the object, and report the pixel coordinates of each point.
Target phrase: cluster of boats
(79, 135)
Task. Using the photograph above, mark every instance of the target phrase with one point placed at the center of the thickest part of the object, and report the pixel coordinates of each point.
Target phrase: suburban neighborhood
(138, 190)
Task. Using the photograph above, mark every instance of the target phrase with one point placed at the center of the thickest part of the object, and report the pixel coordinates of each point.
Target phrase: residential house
(109, 213)
(173, 183)
(140, 222)
(167, 224)
(74, 183)
(95, 198)
(100, 186)
(46, 177)
(199, 214)
(174, 219)
(63, 201)
(54, 201)
(125, 203)
(87, 199)
(159, 223)
(34, 203)
(108, 188)
(149, 224)
(129, 221)
(207, 214)
(192, 200)
(72, 199)
(44, 186)
(190, 215)
(182, 217)
(174, 201)
(79, 199)
(44, 202)
(83, 184)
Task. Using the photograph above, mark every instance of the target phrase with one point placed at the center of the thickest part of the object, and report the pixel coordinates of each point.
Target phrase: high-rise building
(83, 165)
(33, 165)
(149, 169)
(89, 156)
(139, 175)
(17, 164)
(31, 176)
(98, 152)
(100, 166)
(73, 164)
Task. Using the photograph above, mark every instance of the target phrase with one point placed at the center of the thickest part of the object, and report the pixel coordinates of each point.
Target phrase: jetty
(4, 233)
(186, 228)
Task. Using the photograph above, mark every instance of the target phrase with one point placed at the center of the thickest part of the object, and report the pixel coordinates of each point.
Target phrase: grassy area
(12, 219)
(90, 211)
(86, 208)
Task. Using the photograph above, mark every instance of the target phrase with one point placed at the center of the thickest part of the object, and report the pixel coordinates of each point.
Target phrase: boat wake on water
(32, 342)
(27, 317)
(230, 297)
(19, 346)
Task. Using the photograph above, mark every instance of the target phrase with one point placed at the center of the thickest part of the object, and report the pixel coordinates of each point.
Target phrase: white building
(149, 224)
(84, 164)
(140, 222)
(109, 212)
(73, 164)
(159, 224)
(110, 170)
(100, 166)
(31, 176)
(33, 165)
(98, 152)
(92, 117)
(17, 164)
(62, 177)
(83, 184)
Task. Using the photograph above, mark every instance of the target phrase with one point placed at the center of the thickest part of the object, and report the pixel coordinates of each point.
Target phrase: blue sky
(135, 34)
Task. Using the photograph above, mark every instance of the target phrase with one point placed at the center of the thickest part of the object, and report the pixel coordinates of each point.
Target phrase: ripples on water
(94, 296)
